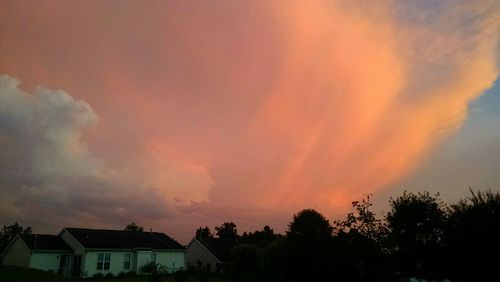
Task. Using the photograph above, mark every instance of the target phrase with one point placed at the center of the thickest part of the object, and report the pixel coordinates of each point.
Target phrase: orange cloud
(266, 107)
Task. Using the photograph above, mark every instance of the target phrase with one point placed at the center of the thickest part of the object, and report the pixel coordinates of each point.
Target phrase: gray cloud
(49, 177)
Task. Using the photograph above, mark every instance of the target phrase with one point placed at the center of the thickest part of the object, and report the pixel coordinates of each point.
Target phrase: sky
(177, 114)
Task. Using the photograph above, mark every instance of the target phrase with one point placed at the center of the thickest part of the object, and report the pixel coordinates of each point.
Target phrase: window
(153, 257)
(103, 261)
(126, 262)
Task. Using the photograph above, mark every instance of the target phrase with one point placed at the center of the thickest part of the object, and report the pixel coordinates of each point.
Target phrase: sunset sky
(177, 114)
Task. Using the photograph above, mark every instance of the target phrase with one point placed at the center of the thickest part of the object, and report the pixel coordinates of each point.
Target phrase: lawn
(21, 274)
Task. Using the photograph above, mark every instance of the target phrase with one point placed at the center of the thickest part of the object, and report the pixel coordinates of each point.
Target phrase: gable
(196, 251)
(17, 253)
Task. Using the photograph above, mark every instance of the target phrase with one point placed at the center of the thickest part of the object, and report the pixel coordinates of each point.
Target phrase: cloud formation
(251, 107)
(48, 174)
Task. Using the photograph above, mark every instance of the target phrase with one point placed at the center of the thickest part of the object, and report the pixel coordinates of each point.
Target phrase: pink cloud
(255, 106)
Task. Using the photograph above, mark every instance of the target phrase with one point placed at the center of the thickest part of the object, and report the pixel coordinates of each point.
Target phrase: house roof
(44, 242)
(120, 239)
(220, 248)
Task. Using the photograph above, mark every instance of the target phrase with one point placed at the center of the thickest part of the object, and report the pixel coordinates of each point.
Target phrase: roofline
(73, 237)
(201, 243)
(119, 230)
(135, 249)
(114, 249)
(50, 251)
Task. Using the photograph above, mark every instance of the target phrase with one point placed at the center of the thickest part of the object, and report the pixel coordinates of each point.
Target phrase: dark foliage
(473, 238)
(310, 248)
(227, 231)
(416, 224)
(203, 232)
(260, 238)
(359, 245)
(134, 227)
(8, 233)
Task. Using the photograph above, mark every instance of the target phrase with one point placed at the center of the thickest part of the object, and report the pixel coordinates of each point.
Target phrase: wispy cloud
(246, 106)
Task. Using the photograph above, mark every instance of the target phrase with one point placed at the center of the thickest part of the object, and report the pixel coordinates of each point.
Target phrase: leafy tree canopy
(309, 224)
(227, 231)
(133, 227)
(203, 232)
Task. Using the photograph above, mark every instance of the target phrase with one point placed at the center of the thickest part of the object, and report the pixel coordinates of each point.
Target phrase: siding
(172, 260)
(116, 263)
(196, 253)
(46, 261)
(18, 254)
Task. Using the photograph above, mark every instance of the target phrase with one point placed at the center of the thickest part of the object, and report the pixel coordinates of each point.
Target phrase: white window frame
(153, 257)
(127, 259)
(103, 261)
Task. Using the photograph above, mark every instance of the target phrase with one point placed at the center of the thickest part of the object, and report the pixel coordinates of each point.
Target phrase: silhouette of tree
(133, 227)
(245, 258)
(227, 231)
(358, 241)
(309, 247)
(416, 223)
(473, 238)
(8, 233)
(363, 221)
(309, 225)
(203, 232)
(261, 238)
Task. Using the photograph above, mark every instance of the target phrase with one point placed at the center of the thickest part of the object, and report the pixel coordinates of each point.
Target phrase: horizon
(180, 114)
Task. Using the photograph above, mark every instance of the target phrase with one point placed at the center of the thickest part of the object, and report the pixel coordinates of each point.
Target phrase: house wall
(77, 248)
(116, 263)
(46, 261)
(142, 258)
(18, 254)
(196, 253)
(173, 260)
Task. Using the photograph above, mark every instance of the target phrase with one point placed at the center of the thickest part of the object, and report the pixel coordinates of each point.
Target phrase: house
(91, 251)
(209, 253)
(47, 252)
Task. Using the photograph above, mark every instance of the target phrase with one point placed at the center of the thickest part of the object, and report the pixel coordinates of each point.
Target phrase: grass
(22, 274)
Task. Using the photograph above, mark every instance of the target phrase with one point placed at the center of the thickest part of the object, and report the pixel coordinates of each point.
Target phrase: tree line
(420, 236)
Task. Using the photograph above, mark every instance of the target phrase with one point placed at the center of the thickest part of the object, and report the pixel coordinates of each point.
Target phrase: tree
(261, 238)
(309, 225)
(203, 232)
(416, 224)
(363, 221)
(227, 231)
(8, 233)
(359, 244)
(309, 247)
(133, 227)
(472, 237)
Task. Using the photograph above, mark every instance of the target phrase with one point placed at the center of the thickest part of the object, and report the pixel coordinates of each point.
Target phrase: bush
(150, 267)
(130, 274)
(109, 275)
(98, 275)
(121, 274)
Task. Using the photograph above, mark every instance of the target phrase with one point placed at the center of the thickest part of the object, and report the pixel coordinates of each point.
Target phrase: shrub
(130, 274)
(109, 275)
(98, 275)
(121, 274)
(150, 267)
